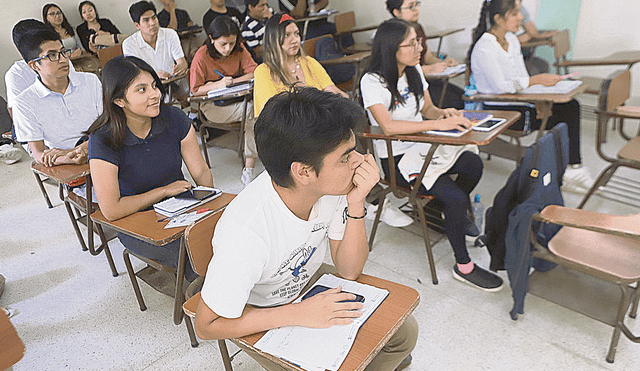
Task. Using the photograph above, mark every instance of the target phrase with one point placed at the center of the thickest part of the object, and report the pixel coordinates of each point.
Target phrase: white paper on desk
(322, 348)
(324, 11)
(451, 70)
(230, 89)
(562, 87)
(186, 219)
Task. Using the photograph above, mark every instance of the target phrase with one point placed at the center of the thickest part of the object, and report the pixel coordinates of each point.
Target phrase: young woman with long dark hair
(53, 16)
(396, 96)
(96, 32)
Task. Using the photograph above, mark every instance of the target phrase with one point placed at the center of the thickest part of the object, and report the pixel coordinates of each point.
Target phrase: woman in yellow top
(285, 63)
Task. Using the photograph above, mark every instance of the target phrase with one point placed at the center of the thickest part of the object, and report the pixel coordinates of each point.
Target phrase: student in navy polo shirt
(136, 149)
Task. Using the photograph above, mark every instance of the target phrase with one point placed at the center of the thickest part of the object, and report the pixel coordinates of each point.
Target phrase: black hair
(25, 26)
(222, 26)
(29, 43)
(487, 13)
(383, 62)
(136, 10)
(117, 75)
(87, 2)
(251, 2)
(303, 125)
(65, 23)
(393, 5)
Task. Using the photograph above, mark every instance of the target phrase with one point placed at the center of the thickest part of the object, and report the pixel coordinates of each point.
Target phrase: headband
(286, 17)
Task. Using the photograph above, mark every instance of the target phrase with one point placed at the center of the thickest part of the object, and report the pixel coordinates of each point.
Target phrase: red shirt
(203, 66)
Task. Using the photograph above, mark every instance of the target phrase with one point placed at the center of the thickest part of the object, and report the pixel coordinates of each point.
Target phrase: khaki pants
(233, 113)
(394, 351)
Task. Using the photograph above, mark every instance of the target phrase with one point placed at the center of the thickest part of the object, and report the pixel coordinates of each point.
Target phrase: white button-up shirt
(58, 119)
(167, 52)
(19, 77)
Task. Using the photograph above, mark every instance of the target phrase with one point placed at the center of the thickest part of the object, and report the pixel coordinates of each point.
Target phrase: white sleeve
(489, 75)
(373, 91)
(27, 126)
(15, 85)
(98, 94)
(174, 44)
(239, 257)
(338, 223)
(128, 46)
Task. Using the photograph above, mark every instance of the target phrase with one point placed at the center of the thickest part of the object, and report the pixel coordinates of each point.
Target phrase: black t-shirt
(183, 18)
(84, 32)
(210, 15)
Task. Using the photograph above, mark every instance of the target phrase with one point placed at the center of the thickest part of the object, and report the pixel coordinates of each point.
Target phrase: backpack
(327, 48)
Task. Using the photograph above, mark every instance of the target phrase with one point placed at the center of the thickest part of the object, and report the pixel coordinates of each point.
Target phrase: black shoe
(480, 279)
(405, 363)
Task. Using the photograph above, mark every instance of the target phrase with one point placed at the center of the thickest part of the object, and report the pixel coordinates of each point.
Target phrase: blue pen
(219, 74)
(441, 56)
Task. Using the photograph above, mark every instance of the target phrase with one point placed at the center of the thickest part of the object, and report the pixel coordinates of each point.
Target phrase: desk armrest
(619, 225)
(351, 58)
(356, 30)
(61, 173)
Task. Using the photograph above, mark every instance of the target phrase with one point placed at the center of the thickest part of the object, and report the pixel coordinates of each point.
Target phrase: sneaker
(405, 363)
(577, 180)
(391, 215)
(247, 176)
(9, 154)
(479, 278)
(10, 312)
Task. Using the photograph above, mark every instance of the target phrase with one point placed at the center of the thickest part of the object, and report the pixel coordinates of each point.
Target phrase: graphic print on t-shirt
(405, 94)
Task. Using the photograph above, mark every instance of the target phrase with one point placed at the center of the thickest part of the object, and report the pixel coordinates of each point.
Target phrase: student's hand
(546, 79)
(179, 69)
(222, 83)
(450, 62)
(449, 112)
(366, 176)
(49, 156)
(93, 47)
(454, 122)
(325, 310)
(436, 67)
(76, 53)
(176, 188)
(76, 156)
(164, 75)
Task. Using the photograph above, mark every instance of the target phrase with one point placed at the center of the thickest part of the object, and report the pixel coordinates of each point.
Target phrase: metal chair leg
(622, 310)
(134, 280)
(105, 246)
(192, 334)
(602, 179)
(44, 191)
(634, 307)
(376, 221)
(226, 360)
(427, 243)
(203, 143)
(74, 222)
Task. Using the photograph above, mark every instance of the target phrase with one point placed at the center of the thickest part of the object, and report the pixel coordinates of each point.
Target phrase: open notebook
(562, 87)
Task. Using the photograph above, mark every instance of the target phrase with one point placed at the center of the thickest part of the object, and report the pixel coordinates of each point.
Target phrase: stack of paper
(322, 349)
(230, 89)
(562, 87)
(174, 206)
(451, 70)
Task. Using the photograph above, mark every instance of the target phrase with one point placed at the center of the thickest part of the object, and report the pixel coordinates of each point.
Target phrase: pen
(219, 73)
(441, 56)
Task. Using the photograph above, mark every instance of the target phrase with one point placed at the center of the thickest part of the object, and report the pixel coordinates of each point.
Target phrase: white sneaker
(391, 215)
(247, 176)
(577, 180)
(9, 154)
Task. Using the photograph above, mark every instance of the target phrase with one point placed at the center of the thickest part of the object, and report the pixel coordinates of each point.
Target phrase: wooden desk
(190, 31)
(175, 78)
(306, 20)
(441, 34)
(375, 332)
(534, 42)
(11, 347)
(356, 58)
(629, 58)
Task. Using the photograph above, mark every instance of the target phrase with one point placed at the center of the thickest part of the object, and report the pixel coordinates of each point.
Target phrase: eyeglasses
(412, 6)
(54, 56)
(53, 14)
(415, 44)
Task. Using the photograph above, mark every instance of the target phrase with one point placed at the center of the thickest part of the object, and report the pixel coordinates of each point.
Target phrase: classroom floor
(75, 316)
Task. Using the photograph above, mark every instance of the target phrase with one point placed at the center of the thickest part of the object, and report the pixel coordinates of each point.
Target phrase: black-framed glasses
(53, 14)
(415, 44)
(54, 56)
(412, 6)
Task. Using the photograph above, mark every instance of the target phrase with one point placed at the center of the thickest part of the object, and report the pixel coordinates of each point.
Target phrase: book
(233, 88)
(562, 87)
(174, 206)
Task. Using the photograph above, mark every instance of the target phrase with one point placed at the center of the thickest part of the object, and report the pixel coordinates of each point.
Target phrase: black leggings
(452, 97)
(454, 195)
(561, 112)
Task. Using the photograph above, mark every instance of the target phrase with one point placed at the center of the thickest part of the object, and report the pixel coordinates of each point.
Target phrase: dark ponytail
(489, 9)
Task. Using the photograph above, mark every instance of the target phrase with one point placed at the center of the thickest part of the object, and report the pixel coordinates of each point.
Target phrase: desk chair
(561, 47)
(346, 25)
(11, 346)
(605, 247)
(615, 90)
(107, 54)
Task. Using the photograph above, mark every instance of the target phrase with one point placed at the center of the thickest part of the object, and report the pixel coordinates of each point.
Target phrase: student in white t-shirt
(396, 95)
(273, 237)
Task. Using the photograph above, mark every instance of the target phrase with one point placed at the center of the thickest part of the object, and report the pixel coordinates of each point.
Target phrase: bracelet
(346, 215)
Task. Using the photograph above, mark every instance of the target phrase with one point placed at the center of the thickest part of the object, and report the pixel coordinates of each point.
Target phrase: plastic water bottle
(470, 90)
(478, 212)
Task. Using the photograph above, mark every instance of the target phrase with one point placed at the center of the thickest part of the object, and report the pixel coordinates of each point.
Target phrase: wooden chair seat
(616, 256)
(631, 151)
(191, 305)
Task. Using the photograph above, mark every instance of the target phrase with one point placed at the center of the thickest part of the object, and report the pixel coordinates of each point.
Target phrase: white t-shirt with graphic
(263, 254)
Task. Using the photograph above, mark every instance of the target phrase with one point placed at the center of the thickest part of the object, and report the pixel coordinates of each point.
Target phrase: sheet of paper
(562, 87)
(451, 70)
(186, 219)
(320, 349)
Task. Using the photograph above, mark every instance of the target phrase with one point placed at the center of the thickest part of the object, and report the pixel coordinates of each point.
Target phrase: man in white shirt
(53, 113)
(160, 47)
(274, 236)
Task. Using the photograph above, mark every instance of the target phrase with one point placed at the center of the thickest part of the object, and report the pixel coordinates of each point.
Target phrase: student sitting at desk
(285, 63)
(409, 10)
(222, 61)
(136, 150)
(52, 114)
(497, 67)
(95, 32)
(159, 47)
(527, 32)
(395, 93)
(258, 13)
(219, 8)
(53, 16)
(172, 17)
(273, 237)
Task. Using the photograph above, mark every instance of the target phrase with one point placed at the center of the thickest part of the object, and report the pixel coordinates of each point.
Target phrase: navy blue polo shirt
(152, 162)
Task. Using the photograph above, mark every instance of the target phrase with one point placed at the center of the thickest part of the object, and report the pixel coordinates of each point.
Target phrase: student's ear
(119, 102)
(34, 66)
(396, 13)
(302, 173)
(137, 25)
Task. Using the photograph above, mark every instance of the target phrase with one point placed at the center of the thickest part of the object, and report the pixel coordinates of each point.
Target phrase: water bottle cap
(477, 198)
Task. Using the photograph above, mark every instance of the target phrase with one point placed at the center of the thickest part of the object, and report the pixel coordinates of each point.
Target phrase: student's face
(148, 23)
(224, 44)
(88, 13)
(45, 67)
(409, 11)
(291, 44)
(142, 97)
(54, 16)
(338, 168)
(409, 50)
(511, 20)
(260, 11)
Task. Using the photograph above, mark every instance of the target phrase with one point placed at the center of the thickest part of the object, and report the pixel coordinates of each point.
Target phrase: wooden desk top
(143, 225)
(202, 98)
(190, 31)
(376, 331)
(318, 17)
(175, 78)
(350, 58)
(443, 33)
(61, 173)
(479, 138)
(629, 57)
(555, 98)
(537, 42)
(11, 346)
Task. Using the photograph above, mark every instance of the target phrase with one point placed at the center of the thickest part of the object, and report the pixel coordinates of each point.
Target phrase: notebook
(174, 206)
(477, 118)
(449, 133)
(233, 88)
(562, 87)
(451, 70)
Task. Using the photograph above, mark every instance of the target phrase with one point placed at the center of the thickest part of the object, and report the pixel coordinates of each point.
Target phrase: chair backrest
(198, 237)
(309, 46)
(11, 346)
(109, 53)
(561, 44)
(615, 90)
(345, 22)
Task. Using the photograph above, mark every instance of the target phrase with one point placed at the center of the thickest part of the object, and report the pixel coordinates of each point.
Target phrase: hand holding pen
(224, 81)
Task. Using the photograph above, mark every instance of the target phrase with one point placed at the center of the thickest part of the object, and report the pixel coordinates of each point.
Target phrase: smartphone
(489, 125)
(320, 288)
(197, 194)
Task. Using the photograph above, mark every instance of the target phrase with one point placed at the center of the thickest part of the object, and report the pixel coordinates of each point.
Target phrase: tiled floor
(75, 316)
